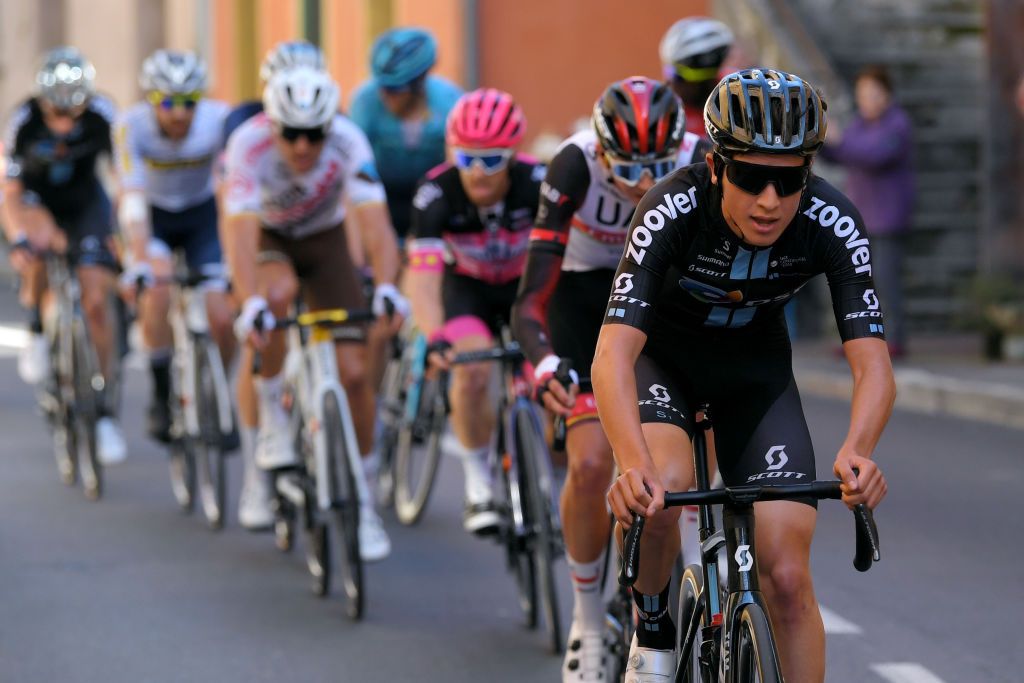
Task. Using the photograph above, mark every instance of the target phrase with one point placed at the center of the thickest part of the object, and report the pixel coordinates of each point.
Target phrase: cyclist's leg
(203, 254)
(667, 425)
(153, 308)
(33, 360)
(770, 433)
(279, 285)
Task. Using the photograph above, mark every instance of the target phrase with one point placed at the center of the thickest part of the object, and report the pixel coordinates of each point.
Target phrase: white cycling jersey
(601, 219)
(175, 174)
(259, 181)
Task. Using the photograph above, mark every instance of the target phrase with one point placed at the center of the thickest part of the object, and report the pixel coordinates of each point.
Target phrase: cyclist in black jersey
(591, 189)
(471, 221)
(54, 201)
(695, 314)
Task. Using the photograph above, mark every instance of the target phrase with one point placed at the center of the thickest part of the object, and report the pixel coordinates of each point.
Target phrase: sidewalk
(943, 375)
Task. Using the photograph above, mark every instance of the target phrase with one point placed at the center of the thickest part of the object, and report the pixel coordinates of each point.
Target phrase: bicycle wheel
(755, 658)
(210, 467)
(88, 383)
(181, 466)
(345, 505)
(691, 609)
(517, 555)
(538, 482)
(418, 453)
(392, 400)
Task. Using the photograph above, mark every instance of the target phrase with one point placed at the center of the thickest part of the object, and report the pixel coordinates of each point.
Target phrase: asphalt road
(129, 589)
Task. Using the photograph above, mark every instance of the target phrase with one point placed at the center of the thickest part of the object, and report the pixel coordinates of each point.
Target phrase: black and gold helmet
(765, 111)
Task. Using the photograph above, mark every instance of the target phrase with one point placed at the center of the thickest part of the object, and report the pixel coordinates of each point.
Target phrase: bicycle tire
(416, 464)
(755, 658)
(520, 562)
(211, 470)
(392, 399)
(318, 557)
(65, 445)
(86, 411)
(691, 586)
(181, 466)
(345, 506)
(543, 511)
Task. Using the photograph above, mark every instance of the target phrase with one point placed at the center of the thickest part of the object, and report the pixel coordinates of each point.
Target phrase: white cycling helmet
(173, 72)
(66, 78)
(696, 41)
(301, 97)
(288, 54)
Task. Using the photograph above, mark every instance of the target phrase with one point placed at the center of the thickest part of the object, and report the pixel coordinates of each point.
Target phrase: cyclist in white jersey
(592, 186)
(293, 173)
(166, 150)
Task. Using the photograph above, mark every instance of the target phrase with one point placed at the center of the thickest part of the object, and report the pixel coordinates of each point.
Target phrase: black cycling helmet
(765, 111)
(639, 119)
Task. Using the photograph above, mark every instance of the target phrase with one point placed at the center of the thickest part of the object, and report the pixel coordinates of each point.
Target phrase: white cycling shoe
(34, 359)
(110, 445)
(254, 511)
(647, 665)
(374, 544)
(587, 657)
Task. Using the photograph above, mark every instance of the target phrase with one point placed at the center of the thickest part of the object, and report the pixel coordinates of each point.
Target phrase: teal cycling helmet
(402, 55)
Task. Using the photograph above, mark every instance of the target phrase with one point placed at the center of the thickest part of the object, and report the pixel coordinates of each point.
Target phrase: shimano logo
(828, 216)
(710, 259)
(655, 219)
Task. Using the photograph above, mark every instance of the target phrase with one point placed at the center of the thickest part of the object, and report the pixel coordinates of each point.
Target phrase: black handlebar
(259, 325)
(867, 546)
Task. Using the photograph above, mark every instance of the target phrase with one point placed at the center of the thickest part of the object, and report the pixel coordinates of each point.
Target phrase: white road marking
(836, 625)
(905, 672)
(13, 337)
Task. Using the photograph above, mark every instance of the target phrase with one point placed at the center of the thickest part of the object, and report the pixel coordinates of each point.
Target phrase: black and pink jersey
(449, 232)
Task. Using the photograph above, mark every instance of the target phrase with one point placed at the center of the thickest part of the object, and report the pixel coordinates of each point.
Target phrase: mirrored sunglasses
(491, 161)
(632, 172)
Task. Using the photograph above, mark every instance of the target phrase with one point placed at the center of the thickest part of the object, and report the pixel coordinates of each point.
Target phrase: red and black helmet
(638, 119)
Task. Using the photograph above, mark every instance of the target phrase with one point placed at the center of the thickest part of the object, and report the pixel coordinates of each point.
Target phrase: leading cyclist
(290, 173)
(592, 186)
(54, 200)
(696, 314)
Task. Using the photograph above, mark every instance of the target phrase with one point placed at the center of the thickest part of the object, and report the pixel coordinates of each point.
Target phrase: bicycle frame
(316, 376)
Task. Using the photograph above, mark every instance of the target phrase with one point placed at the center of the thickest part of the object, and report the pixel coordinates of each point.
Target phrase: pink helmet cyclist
(485, 119)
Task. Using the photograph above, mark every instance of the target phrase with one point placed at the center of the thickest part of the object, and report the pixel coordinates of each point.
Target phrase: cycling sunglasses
(168, 102)
(701, 67)
(753, 178)
(313, 135)
(632, 172)
(490, 160)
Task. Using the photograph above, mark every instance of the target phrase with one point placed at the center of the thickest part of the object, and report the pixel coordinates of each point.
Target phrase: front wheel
(543, 517)
(691, 609)
(756, 658)
(88, 384)
(344, 505)
(418, 453)
(210, 466)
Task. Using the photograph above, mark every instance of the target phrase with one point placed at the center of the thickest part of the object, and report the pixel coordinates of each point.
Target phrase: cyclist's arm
(11, 209)
(858, 314)
(627, 322)
(240, 229)
(562, 192)
(426, 249)
(378, 238)
(132, 207)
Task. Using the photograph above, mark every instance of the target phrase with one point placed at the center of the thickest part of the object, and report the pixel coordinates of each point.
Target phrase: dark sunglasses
(490, 160)
(631, 172)
(313, 135)
(753, 178)
(169, 102)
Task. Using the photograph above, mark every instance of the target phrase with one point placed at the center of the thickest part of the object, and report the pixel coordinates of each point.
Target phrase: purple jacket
(880, 174)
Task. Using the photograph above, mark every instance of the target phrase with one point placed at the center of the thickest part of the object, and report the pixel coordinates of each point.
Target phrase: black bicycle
(72, 395)
(729, 637)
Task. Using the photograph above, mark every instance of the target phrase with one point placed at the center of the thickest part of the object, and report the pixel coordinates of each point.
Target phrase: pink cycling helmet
(485, 118)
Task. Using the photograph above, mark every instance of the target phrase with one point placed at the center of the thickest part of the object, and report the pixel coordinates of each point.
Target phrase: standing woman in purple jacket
(876, 149)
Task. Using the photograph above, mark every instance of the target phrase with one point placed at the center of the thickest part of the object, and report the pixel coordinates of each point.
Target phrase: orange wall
(556, 56)
(344, 41)
(277, 20)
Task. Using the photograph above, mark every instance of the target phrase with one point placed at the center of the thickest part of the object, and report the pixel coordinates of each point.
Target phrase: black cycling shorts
(761, 435)
(466, 296)
(88, 228)
(575, 315)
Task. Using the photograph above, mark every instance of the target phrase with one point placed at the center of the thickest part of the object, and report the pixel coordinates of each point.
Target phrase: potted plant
(997, 311)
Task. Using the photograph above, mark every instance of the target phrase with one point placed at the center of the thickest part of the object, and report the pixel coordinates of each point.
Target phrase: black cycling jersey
(485, 243)
(60, 170)
(685, 273)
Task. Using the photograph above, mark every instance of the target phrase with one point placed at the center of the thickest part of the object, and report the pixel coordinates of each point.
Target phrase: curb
(924, 392)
